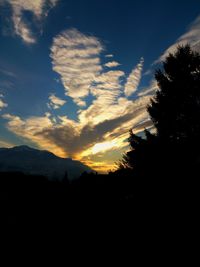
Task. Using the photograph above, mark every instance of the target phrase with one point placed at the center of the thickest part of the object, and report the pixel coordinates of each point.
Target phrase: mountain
(40, 162)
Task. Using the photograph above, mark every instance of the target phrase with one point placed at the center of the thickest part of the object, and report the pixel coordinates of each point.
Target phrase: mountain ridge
(40, 162)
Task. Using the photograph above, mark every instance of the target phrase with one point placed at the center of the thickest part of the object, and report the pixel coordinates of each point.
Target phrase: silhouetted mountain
(39, 162)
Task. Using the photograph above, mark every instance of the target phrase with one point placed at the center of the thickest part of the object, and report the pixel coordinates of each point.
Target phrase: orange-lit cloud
(102, 126)
(55, 102)
(112, 64)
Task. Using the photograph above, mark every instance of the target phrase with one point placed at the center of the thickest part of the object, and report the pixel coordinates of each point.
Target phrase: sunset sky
(76, 75)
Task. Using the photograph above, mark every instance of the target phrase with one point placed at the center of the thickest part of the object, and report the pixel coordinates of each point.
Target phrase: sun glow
(101, 147)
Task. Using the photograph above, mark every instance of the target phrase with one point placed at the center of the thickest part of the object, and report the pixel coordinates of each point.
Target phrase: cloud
(29, 129)
(107, 103)
(75, 57)
(66, 137)
(5, 144)
(151, 89)
(112, 64)
(7, 73)
(2, 103)
(192, 37)
(23, 31)
(103, 124)
(109, 56)
(55, 102)
(148, 72)
(104, 146)
(80, 102)
(134, 79)
(39, 9)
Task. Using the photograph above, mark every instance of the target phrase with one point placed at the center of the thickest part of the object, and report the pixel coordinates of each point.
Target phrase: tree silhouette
(175, 113)
(175, 110)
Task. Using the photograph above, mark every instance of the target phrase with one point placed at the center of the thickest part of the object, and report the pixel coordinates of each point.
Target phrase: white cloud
(2, 103)
(76, 58)
(56, 102)
(104, 146)
(107, 89)
(148, 72)
(23, 31)
(151, 89)
(192, 37)
(112, 64)
(39, 9)
(80, 102)
(109, 55)
(134, 79)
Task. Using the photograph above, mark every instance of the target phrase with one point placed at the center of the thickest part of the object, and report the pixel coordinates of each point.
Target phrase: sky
(76, 76)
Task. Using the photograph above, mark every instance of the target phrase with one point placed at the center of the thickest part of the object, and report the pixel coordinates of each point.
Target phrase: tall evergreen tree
(175, 113)
(175, 110)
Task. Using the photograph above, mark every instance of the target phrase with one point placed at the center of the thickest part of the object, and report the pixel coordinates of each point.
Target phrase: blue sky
(75, 76)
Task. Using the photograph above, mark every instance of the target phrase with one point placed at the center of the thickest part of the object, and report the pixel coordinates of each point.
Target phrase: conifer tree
(175, 114)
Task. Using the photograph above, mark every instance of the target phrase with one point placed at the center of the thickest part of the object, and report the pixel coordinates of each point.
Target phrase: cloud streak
(39, 9)
(134, 79)
(151, 89)
(2, 103)
(192, 37)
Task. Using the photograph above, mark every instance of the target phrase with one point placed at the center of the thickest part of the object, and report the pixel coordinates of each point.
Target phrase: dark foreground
(93, 201)
(33, 200)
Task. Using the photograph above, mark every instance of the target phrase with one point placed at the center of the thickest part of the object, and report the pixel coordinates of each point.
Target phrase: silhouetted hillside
(38, 162)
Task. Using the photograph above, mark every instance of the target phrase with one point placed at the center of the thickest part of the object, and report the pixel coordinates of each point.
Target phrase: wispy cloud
(109, 56)
(39, 9)
(7, 73)
(2, 103)
(192, 37)
(134, 79)
(55, 102)
(5, 144)
(112, 64)
(22, 29)
(151, 89)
